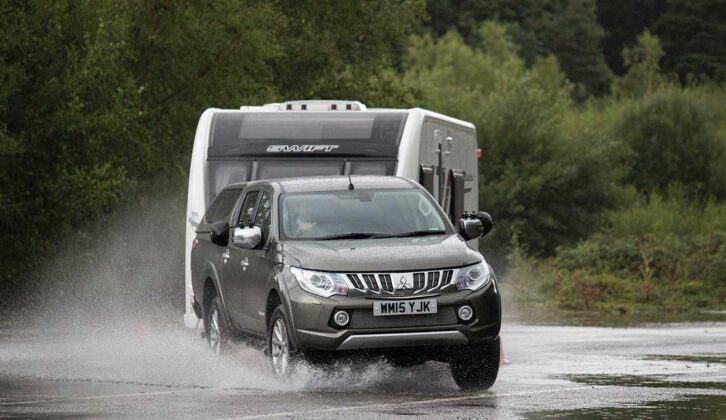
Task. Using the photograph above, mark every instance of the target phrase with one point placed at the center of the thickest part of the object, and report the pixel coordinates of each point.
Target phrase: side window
(248, 208)
(222, 206)
(263, 219)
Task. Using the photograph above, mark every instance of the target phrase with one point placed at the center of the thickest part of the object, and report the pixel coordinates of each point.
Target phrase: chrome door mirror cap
(248, 237)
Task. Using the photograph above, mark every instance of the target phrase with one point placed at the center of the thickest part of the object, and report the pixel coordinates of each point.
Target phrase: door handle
(225, 255)
(244, 263)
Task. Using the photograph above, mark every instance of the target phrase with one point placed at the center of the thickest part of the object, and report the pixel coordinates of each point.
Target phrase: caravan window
(272, 169)
(371, 168)
(222, 205)
(223, 173)
(370, 134)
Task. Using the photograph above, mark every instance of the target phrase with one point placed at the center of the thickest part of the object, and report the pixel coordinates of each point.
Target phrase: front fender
(211, 272)
(281, 283)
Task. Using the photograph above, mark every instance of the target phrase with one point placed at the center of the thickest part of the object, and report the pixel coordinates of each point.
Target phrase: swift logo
(302, 148)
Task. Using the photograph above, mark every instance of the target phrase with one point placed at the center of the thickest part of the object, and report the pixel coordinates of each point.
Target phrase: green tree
(693, 34)
(623, 21)
(675, 141)
(99, 99)
(642, 61)
(528, 22)
(577, 45)
(332, 49)
(541, 182)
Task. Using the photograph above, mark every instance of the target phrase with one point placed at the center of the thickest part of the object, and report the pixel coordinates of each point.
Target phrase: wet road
(667, 371)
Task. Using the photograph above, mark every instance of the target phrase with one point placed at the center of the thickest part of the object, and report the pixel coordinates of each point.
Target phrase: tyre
(280, 349)
(477, 366)
(216, 327)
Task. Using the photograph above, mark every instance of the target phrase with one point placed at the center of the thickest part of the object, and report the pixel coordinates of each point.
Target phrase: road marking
(99, 397)
(430, 401)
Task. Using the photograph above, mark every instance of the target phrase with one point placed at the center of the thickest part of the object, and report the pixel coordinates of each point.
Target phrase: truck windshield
(359, 215)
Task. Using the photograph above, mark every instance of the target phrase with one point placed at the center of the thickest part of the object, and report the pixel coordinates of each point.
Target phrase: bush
(663, 251)
(674, 138)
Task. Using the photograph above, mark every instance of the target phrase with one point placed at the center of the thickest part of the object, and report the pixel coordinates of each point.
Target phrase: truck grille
(363, 318)
(399, 284)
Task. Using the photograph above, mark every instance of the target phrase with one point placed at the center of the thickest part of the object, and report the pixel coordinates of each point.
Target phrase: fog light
(465, 313)
(341, 318)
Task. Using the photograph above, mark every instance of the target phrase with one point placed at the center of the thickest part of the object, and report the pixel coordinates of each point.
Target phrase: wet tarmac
(131, 370)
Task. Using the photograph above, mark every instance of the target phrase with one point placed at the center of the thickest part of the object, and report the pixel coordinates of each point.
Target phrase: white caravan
(308, 138)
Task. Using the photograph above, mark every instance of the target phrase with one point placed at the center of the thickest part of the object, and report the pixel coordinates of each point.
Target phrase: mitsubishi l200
(319, 268)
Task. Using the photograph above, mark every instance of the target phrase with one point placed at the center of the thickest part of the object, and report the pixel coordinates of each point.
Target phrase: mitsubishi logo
(403, 284)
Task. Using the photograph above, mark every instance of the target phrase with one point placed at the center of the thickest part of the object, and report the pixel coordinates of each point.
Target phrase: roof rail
(320, 105)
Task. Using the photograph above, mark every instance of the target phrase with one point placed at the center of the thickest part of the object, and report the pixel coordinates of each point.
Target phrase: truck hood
(384, 254)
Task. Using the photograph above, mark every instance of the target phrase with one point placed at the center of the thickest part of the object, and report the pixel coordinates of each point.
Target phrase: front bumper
(313, 330)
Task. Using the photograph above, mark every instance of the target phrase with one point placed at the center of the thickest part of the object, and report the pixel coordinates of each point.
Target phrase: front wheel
(477, 366)
(217, 330)
(279, 346)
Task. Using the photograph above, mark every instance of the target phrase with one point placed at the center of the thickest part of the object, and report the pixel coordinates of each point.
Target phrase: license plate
(404, 307)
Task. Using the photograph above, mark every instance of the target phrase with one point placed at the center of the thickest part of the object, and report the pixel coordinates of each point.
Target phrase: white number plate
(404, 307)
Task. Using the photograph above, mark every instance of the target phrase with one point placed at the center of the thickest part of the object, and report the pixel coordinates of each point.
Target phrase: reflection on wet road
(674, 371)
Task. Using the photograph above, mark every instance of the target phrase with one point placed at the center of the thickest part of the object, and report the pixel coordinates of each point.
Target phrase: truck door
(234, 269)
(259, 266)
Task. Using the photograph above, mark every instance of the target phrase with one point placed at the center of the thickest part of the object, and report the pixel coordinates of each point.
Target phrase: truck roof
(330, 183)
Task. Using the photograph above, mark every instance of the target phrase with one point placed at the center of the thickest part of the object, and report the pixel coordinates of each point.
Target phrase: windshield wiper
(418, 233)
(353, 235)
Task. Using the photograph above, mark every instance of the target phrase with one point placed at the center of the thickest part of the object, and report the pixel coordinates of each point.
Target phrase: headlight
(320, 283)
(474, 277)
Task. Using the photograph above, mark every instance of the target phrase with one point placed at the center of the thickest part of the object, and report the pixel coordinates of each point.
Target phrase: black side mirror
(470, 228)
(486, 221)
(220, 233)
(474, 225)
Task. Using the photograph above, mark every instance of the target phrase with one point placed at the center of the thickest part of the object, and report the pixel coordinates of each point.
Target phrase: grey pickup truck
(326, 267)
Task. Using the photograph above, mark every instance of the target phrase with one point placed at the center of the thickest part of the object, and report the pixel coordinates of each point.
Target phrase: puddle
(707, 359)
(705, 407)
(640, 381)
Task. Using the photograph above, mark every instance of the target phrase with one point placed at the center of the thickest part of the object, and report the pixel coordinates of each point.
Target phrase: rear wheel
(477, 366)
(279, 346)
(217, 328)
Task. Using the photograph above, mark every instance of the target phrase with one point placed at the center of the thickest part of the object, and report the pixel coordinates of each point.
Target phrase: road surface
(141, 371)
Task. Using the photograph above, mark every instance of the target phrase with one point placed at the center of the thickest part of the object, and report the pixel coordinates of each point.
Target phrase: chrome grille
(371, 282)
(386, 283)
(401, 284)
(355, 281)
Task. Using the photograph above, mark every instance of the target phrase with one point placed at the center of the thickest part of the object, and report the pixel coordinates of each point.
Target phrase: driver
(304, 220)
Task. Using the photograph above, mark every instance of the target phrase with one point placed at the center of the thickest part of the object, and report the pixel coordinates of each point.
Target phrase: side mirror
(220, 233)
(470, 228)
(486, 221)
(247, 238)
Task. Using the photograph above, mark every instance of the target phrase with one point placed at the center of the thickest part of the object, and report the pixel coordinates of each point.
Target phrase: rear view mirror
(247, 238)
(220, 233)
(474, 225)
(486, 221)
(470, 228)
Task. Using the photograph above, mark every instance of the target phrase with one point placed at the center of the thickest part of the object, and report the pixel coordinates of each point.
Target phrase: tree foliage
(693, 34)
(540, 181)
(98, 97)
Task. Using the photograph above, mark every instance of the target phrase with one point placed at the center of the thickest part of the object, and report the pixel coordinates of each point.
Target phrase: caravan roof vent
(321, 105)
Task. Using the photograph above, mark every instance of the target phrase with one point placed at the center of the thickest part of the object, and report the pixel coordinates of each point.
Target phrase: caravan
(311, 138)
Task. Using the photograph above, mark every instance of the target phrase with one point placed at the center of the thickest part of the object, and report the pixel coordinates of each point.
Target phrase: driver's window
(248, 208)
(263, 219)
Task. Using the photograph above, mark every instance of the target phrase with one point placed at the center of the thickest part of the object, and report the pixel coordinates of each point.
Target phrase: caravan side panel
(196, 205)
